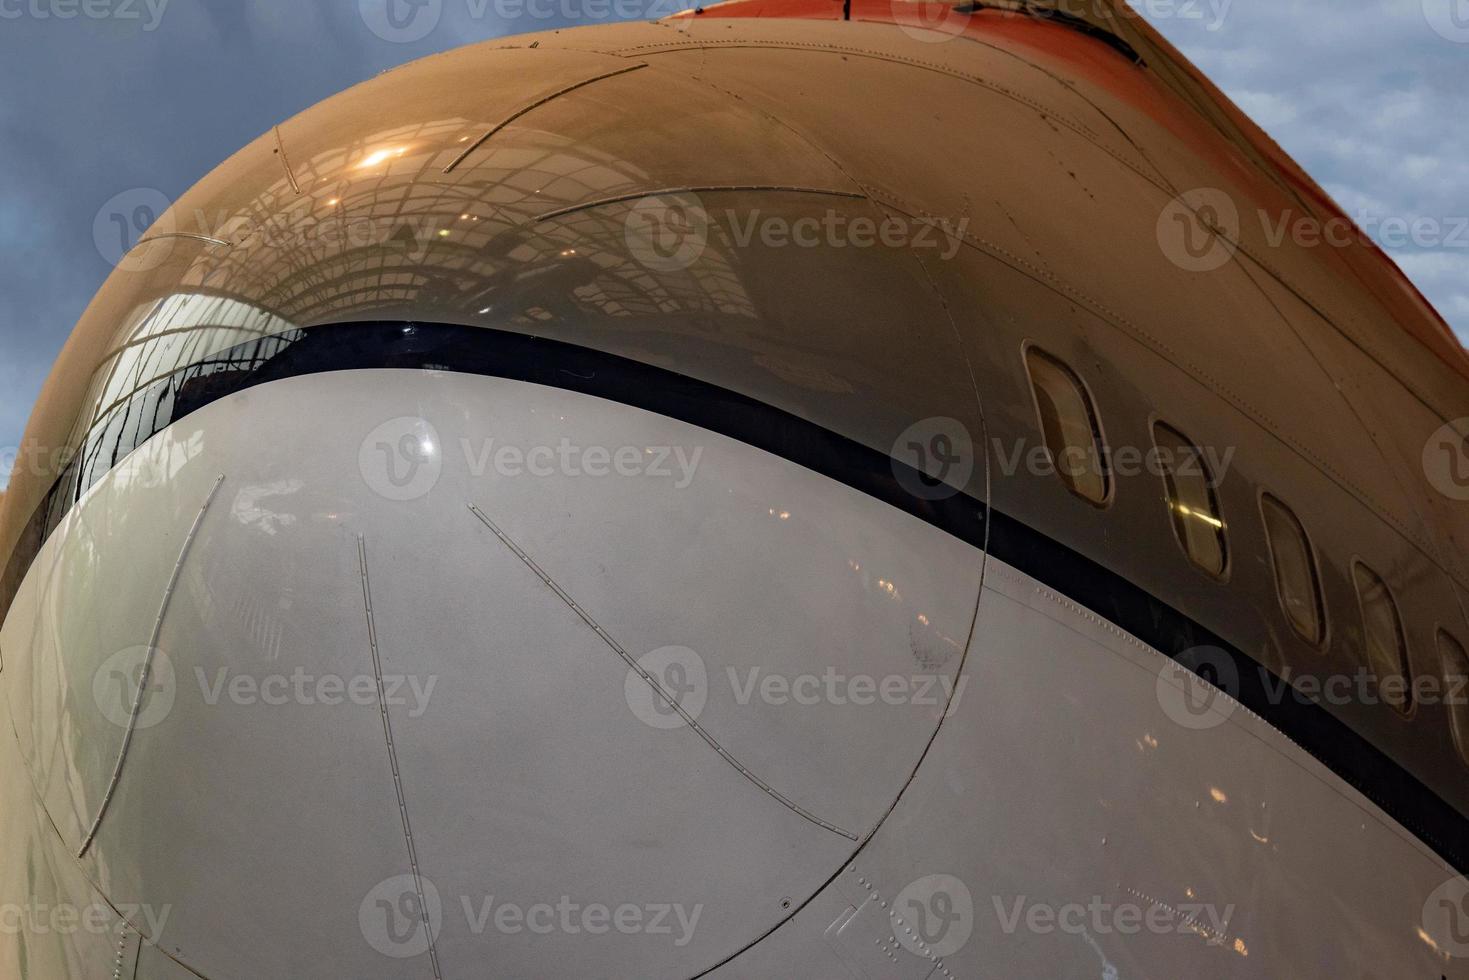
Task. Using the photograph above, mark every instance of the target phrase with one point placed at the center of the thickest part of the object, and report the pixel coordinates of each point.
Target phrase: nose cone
(458, 673)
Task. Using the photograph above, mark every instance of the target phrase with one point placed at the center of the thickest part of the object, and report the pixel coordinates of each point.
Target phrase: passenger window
(1296, 580)
(1193, 505)
(1069, 424)
(1382, 633)
(1456, 678)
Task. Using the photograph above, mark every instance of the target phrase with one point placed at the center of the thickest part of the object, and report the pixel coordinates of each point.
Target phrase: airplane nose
(456, 672)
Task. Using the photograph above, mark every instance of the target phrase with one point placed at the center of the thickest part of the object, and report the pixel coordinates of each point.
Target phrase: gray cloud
(1369, 97)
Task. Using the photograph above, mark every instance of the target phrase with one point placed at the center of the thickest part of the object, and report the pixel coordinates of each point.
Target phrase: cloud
(1368, 97)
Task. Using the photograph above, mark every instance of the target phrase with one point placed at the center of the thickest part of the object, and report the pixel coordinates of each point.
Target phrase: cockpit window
(1382, 635)
(1297, 582)
(1069, 424)
(1193, 505)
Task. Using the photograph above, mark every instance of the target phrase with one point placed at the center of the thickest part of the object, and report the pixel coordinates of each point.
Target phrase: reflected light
(378, 156)
(1217, 795)
(1208, 519)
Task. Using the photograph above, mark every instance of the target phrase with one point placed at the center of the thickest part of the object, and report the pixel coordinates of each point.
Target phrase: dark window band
(477, 350)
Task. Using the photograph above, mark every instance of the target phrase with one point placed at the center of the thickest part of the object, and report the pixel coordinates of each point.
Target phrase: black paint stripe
(494, 353)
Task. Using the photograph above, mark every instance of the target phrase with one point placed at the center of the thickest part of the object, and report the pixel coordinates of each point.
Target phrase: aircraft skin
(580, 506)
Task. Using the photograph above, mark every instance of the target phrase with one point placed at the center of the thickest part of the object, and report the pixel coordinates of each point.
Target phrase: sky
(102, 97)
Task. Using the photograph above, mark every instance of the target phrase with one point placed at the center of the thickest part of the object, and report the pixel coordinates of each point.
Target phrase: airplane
(840, 490)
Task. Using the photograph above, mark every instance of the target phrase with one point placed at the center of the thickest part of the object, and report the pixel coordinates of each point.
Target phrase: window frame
(1224, 575)
(1403, 650)
(1324, 643)
(1029, 349)
(1461, 748)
